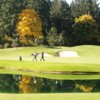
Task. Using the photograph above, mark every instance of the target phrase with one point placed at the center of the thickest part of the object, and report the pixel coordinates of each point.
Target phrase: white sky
(69, 1)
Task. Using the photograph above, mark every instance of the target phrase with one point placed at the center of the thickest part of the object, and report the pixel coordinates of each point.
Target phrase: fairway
(86, 53)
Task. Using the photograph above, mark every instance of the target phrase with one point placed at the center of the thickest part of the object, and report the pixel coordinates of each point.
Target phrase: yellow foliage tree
(85, 18)
(29, 25)
(85, 29)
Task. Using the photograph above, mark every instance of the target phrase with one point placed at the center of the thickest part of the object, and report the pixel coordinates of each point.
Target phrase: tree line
(35, 22)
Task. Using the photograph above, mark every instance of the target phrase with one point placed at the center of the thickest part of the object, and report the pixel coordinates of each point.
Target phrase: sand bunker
(67, 54)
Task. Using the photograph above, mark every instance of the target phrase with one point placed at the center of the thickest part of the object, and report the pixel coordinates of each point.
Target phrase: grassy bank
(66, 96)
(32, 69)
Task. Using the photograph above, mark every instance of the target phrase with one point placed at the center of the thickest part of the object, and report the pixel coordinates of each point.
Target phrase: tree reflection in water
(8, 83)
(27, 84)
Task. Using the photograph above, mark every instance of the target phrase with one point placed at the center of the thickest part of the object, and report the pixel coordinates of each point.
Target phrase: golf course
(49, 49)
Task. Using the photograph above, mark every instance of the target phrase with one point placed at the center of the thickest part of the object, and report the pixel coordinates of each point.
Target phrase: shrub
(6, 45)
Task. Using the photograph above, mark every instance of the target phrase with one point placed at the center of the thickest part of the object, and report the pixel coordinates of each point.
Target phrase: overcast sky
(69, 1)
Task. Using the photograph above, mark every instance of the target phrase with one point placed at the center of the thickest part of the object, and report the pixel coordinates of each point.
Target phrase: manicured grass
(50, 66)
(64, 96)
(84, 50)
(87, 54)
(28, 68)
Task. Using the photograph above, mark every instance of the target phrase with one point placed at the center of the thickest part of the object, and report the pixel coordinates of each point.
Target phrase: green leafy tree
(15, 42)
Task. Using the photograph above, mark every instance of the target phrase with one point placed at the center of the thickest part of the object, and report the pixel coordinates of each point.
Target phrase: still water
(27, 84)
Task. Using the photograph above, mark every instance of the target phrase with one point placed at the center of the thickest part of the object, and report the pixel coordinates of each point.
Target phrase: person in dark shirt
(35, 56)
(42, 56)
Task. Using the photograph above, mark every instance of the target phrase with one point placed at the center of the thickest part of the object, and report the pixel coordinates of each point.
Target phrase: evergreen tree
(52, 37)
(8, 16)
(60, 14)
(80, 7)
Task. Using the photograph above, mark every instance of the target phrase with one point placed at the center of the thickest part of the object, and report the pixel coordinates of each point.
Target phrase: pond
(27, 84)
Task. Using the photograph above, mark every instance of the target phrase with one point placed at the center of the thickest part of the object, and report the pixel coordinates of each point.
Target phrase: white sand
(67, 54)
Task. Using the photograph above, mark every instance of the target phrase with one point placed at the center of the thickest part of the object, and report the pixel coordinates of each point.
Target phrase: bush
(6, 45)
(1, 46)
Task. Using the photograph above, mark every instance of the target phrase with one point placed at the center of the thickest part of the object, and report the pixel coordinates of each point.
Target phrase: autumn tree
(43, 9)
(29, 25)
(85, 29)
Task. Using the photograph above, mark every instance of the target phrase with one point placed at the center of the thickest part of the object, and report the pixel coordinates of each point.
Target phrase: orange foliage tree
(29, 25)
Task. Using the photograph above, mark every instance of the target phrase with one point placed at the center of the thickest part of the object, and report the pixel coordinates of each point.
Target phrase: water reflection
(27, 84)
(8, 83)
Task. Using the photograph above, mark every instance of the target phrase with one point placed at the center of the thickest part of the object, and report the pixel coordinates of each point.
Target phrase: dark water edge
(27, 84)
(54, 72)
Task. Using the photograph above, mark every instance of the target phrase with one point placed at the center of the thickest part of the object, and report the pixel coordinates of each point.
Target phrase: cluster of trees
(49, 22)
